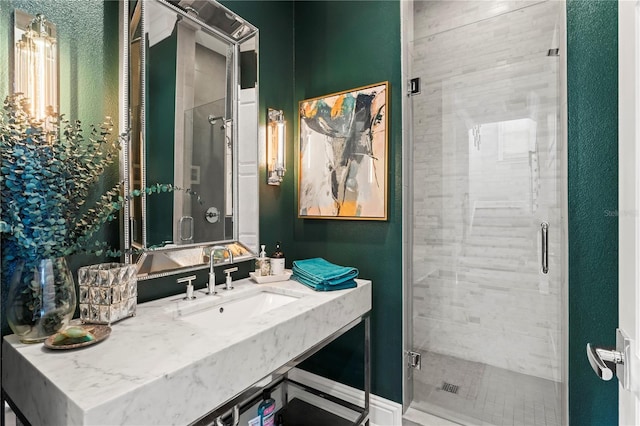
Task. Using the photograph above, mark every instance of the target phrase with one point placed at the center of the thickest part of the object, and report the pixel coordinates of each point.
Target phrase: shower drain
(448, 387)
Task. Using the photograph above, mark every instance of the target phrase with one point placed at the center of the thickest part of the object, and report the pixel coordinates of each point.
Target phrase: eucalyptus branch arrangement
(47, 175)
(47, 178)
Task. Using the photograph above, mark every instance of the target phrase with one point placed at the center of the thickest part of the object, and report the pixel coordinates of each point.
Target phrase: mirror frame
(126, 30)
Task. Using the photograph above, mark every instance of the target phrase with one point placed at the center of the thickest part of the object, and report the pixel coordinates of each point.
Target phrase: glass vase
(41, 299)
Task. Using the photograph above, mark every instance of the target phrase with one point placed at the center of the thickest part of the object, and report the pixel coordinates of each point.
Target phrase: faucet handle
(189, 281)
(228, 283)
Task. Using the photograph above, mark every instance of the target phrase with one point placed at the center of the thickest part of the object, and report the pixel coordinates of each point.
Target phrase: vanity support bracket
(245, 400)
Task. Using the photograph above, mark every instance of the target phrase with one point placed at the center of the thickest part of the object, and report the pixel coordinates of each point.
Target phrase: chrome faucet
(227, 249)
(211, 285)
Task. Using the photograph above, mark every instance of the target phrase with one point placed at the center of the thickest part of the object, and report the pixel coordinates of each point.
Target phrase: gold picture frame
(343, 154)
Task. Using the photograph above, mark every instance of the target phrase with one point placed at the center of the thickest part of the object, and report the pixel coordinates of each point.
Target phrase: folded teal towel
(321, 275)
(320, 287)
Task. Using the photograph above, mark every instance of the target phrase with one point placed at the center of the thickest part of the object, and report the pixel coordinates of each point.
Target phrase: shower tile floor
(486, 395)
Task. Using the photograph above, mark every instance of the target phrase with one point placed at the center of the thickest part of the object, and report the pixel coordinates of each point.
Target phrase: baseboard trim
(382, 411)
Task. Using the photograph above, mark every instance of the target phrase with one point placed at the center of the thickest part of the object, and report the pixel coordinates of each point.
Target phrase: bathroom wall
(338, 46)
(485, 162)
(88, 56)
(592, 82)
(88, 43)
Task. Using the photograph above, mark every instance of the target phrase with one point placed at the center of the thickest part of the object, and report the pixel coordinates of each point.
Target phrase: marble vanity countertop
(157, 369)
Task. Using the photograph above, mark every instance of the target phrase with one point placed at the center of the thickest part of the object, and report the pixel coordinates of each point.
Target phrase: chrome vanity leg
(367, 365)
(285, 391)
(236, 415)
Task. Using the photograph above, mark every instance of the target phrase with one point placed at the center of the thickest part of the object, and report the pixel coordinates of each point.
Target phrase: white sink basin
(224, 312)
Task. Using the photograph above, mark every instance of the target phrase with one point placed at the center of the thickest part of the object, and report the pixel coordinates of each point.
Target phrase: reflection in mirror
(162, 262)
(187, 122)
(36, 65)
(206, 164)
(185, 72)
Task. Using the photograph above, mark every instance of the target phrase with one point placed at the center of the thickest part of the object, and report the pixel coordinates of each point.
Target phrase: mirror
(193, 104)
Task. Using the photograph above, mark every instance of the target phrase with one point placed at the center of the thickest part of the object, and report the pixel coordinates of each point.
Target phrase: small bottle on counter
(263, 266)
(277, 261)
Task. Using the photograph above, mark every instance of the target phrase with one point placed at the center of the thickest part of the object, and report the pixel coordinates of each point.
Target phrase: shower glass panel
(207, 162)
(487, 171)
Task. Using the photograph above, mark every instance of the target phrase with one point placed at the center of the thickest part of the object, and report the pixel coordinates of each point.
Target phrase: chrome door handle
(545, 247)
(609, 362)
(599, 358)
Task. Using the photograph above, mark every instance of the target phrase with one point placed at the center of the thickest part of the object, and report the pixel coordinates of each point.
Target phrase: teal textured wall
(339, 46)
(593, 189)
(88, 55)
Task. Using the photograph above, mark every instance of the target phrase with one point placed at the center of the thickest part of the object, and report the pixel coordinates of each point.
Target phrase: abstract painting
(343, 155)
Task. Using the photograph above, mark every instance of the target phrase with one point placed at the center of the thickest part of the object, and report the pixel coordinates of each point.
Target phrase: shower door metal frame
(406, 31)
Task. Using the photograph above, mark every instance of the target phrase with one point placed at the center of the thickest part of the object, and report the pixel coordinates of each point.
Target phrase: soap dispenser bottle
(277, 261)
(263, 266)
(267, 410)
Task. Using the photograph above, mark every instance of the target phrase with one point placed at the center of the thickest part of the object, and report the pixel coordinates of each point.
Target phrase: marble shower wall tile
(485, 174)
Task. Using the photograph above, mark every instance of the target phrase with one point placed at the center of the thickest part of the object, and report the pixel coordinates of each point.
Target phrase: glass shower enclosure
(485, 219)
(208, 159)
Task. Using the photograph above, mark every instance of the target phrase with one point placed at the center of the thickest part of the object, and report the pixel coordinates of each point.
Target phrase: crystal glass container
(108, 292)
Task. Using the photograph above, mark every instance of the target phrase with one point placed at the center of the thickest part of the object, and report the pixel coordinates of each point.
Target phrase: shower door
(487, 227)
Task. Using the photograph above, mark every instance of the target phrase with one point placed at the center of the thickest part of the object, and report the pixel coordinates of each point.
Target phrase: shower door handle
(181, 226)
(545, 247)
(607, 362)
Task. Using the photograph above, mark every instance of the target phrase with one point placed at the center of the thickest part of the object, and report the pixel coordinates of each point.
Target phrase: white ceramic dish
(270, 278)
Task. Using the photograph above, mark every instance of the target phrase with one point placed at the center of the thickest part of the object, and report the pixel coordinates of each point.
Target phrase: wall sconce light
(276, 131)
(36, 65)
